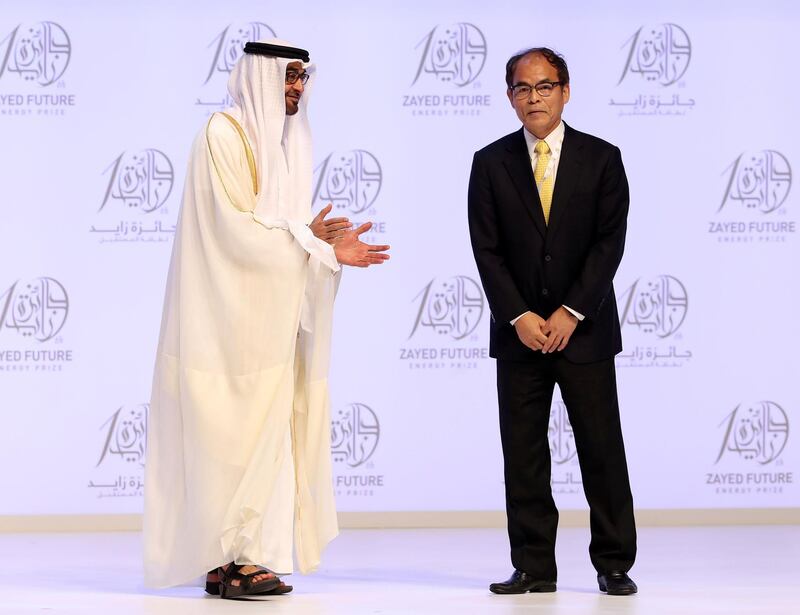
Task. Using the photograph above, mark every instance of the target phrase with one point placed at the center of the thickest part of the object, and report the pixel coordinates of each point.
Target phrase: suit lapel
(518, 165)
(569, 166)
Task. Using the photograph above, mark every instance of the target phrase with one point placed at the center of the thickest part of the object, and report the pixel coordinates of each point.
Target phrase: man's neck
(542, 138)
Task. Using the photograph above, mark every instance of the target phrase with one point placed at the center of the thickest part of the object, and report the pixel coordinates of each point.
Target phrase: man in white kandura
(238, 459)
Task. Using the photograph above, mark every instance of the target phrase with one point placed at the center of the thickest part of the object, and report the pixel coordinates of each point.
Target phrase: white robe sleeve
(229, 157)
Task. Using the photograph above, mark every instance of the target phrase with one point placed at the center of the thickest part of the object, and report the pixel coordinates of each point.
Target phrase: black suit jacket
(525, 264)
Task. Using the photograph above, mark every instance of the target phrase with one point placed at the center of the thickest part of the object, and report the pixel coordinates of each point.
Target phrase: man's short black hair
(555, 60)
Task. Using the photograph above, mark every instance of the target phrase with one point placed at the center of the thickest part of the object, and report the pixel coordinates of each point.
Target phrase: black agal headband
(276, 51)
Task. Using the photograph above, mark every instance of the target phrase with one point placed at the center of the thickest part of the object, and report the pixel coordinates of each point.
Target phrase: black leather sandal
(278, 591)
(247, 585)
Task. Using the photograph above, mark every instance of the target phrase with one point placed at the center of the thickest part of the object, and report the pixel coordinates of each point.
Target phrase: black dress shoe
(521, 582)
(616, 583)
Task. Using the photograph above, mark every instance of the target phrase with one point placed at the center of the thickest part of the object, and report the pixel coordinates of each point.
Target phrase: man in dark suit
(547, 217)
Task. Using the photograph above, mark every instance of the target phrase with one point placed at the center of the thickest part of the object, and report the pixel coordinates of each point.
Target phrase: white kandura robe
(238, 457)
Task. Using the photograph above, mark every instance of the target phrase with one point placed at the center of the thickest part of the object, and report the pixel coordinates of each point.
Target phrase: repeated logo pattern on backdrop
(36, 309)
(658, 53)
(750, 458)
(96, 134)
(222, 54)
(32, 315)
(351, 181)
(34, 57)
(444, 331)
(656, 59)
(39, 53)
(119, 471)
(355, 433)
(652, 311)
(133, 206)
(450, 61)
(754, 204)
(452, 54)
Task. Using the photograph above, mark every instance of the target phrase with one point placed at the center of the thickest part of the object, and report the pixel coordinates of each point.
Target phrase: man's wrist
(575, 313)
(514, 321)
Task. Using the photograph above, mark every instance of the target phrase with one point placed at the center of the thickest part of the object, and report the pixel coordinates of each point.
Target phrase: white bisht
(238, 459)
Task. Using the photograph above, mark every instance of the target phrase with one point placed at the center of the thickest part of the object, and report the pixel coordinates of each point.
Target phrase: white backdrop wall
(100, 101)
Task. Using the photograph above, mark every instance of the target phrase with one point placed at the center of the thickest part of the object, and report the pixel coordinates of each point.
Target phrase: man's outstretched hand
(350, 250)
(329, 230)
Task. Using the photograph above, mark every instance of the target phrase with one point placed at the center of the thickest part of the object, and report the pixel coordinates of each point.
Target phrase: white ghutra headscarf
(281, 146)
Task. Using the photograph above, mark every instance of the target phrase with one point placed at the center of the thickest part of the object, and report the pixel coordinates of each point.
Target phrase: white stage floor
(687, 570)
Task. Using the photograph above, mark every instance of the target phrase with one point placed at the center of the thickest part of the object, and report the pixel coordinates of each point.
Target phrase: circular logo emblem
(757, 432)
(354, 434)
(38, 52)
(451, 307)
(36, 309)
(657, 305)
(140, 181)
(453, 54)
(759, 181)
(350, 181)
(659, 53)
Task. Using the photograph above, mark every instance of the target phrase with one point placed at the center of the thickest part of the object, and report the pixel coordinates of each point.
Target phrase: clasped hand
(549, 335)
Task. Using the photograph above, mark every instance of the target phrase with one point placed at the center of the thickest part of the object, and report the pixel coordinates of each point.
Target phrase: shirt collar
(554, 140)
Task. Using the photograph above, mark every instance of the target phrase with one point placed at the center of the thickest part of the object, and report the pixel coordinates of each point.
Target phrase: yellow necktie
(544, 186)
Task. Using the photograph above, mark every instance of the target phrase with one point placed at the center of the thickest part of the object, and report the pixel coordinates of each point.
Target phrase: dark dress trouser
(589, 391)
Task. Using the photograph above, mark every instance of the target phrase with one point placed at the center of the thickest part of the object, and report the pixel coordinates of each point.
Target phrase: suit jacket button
(544, 291)
(548, 258)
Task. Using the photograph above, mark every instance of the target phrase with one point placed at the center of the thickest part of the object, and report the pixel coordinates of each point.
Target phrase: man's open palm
(350, 250)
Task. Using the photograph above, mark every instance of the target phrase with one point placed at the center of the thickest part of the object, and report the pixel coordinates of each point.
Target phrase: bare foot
(213, 576)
